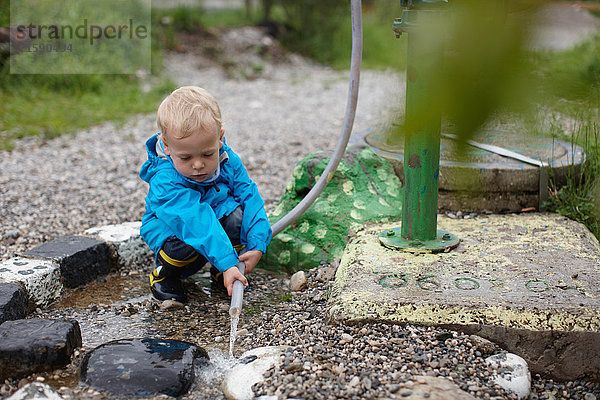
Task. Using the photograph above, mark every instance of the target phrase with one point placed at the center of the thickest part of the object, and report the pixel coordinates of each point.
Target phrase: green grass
(578, 199)
(227, 18)
(568, 84)
(52, 105)
(285, 296)
(31, 108)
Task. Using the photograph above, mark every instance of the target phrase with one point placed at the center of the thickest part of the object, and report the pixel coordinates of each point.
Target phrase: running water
(212, 374)
(235, 319)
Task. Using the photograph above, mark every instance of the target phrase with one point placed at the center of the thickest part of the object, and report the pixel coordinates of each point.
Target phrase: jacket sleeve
(193, 222)
(256, 229)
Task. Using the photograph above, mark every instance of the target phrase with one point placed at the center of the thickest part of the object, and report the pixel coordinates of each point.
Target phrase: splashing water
(212, 374)
(235, 319)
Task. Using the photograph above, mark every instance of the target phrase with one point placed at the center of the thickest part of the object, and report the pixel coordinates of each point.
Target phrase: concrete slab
(41, 278)
(528, 282)
(129, 248)
(482, 180)
(81, 259)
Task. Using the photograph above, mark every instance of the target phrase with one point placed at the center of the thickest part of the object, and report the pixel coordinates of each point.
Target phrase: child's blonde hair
(187, 110)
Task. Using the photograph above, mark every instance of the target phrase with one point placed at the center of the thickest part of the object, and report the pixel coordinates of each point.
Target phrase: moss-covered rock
(363, 189)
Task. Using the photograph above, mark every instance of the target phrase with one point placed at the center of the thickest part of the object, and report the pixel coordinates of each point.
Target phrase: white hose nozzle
(237, 294)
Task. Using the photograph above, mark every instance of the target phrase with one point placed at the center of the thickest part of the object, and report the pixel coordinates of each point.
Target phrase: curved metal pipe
(340, 148)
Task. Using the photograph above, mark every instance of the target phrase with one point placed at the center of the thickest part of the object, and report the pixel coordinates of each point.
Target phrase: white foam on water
(219, 364)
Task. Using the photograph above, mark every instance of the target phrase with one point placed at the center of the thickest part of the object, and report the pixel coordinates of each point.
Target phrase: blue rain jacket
(178, 206)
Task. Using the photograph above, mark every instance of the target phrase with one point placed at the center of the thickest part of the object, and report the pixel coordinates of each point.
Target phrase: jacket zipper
(216, 187)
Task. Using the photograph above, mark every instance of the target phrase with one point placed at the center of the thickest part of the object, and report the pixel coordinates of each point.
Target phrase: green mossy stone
(363, 189)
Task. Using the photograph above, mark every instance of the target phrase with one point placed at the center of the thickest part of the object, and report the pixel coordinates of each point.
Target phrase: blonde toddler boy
(201, 205)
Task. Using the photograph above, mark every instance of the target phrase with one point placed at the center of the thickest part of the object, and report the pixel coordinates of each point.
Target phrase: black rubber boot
(165, 287)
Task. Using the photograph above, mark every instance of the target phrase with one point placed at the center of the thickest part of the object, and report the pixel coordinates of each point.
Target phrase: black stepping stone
(13, 302)
(81, 259)
(143, 367)
(34, 345)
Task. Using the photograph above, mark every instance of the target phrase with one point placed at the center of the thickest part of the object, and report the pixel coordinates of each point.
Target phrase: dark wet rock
(32, 345)
(81, 259)
(13, 302)
(142, 367)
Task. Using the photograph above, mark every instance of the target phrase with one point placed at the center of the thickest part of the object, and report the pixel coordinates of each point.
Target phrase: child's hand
(230, 276)
(251, 258)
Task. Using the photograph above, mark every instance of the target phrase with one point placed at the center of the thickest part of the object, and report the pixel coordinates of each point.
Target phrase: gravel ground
(293, 108)
(324, 361)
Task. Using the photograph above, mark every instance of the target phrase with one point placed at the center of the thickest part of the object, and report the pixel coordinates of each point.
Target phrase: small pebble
(168, 305)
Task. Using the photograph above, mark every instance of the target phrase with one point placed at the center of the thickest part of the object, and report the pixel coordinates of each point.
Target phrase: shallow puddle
(104, 291)
(121, 307)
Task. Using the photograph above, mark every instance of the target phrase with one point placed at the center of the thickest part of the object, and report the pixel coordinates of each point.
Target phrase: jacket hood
(157, 162)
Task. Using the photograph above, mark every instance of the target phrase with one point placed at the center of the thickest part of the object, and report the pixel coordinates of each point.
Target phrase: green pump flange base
(444, 241)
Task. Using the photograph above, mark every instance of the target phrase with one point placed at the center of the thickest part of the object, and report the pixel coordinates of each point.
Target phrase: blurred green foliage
(489, 69)
(167, 22)
(568, 80)
(381, 49)
(311, 24)
(4, 12)
(322, 30)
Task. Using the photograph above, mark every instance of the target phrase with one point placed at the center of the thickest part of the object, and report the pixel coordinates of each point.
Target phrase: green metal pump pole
(422, 137)
(419, 231)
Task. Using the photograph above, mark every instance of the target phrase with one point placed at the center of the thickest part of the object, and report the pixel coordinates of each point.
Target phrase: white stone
(35, 391)
(171, 305)
(41, 278)
(238, 381)
(298, 281)
(514, 373)
(346, 338)
(354, 381)
(126, 240)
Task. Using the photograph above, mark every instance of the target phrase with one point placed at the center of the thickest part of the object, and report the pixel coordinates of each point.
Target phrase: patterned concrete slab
(528, 282)
(41, 278)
